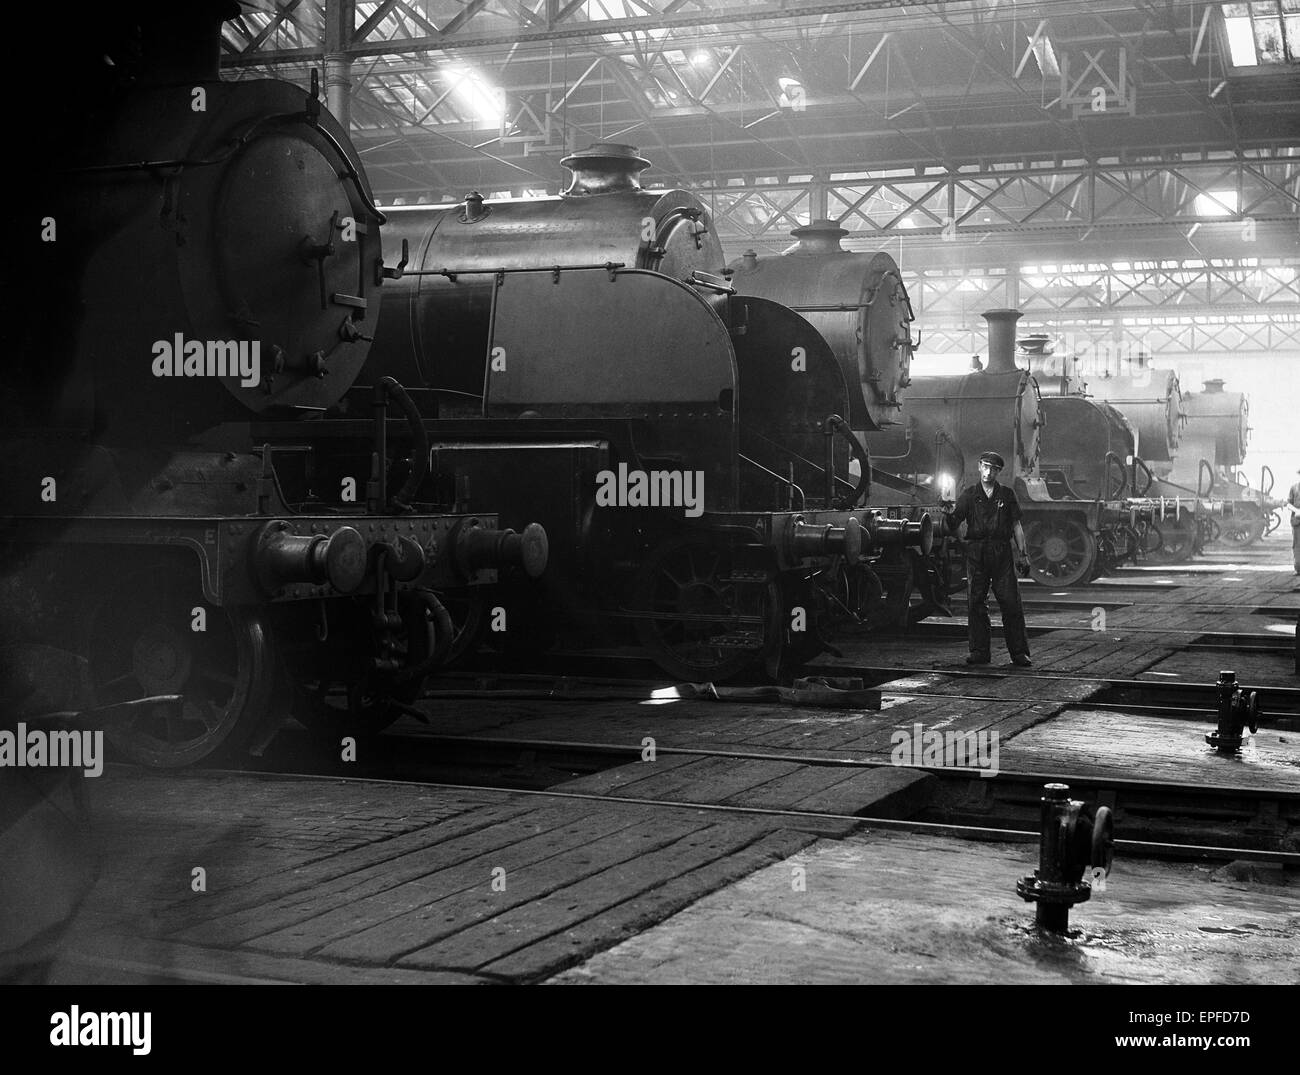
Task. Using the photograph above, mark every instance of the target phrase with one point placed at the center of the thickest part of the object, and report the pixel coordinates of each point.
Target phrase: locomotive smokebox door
(280, 249)
(857, 301)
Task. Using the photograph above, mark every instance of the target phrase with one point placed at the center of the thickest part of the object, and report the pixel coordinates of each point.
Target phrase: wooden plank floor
(316, 880)
(899, 908)
(770, 785)
(1144, 636)
(1093, 742)
(311, 880)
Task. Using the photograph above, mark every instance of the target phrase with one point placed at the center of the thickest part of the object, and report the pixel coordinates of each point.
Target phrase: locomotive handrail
(911, 314)
(700, 279)
(803, 500)
(384, 388)
(796, 456)
(1204, 468)
(220, 158)
(1138, 461)
(829, 307)
(451, 274)
(834, 423)
(1110, 458)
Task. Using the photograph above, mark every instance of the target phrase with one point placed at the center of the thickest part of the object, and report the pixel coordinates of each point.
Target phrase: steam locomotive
(925, 433)
(1144, 417)
(187, 510)
(1192, 444)
(1213, 450)
(581, 360)
(1149, 398)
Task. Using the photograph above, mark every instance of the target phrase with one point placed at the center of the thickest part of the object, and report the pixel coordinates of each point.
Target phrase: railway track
(1180, 699)
(1200, 822)
(1216, 641)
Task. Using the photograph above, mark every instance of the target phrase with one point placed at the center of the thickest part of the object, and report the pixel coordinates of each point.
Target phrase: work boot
(1022, 659)
(976, 658)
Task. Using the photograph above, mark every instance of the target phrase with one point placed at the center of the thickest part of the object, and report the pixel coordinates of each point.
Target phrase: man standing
(1293, 499)
(992, 516)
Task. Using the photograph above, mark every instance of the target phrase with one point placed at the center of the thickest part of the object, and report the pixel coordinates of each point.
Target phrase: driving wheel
(336, 689)
(143, 641)
(1175, 545)
(698, 618)
(1243, 531)
(1062, 552)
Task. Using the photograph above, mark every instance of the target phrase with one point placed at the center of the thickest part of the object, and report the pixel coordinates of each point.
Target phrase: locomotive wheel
(693, 631)
(1175, 545)
(142, 643)
(1061, 552)
(1243, 532)
(336, 690)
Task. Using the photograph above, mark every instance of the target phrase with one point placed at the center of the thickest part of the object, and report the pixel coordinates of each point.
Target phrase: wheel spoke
(210, 714)
(215, 675)
(672, 578)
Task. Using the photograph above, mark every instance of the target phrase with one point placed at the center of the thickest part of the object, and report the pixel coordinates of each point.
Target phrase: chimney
(1214, 387)
(819, 237)
(1002, 340)
(604, 168)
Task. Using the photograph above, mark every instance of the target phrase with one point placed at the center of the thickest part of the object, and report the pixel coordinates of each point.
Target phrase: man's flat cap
(994, 458)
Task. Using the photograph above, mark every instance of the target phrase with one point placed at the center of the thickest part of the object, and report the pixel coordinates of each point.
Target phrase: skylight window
(1264, 33)
(1216, 203)
(1046, 57)
(476, 95)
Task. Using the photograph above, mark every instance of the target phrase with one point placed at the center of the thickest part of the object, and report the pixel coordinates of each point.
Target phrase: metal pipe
(384, 388)
(859, 451)
(338, 89)
(444, 633)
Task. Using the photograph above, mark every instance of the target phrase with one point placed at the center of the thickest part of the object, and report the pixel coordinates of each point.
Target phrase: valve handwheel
(1251, 717)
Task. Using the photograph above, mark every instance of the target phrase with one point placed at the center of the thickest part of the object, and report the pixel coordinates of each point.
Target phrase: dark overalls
(990, 521)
